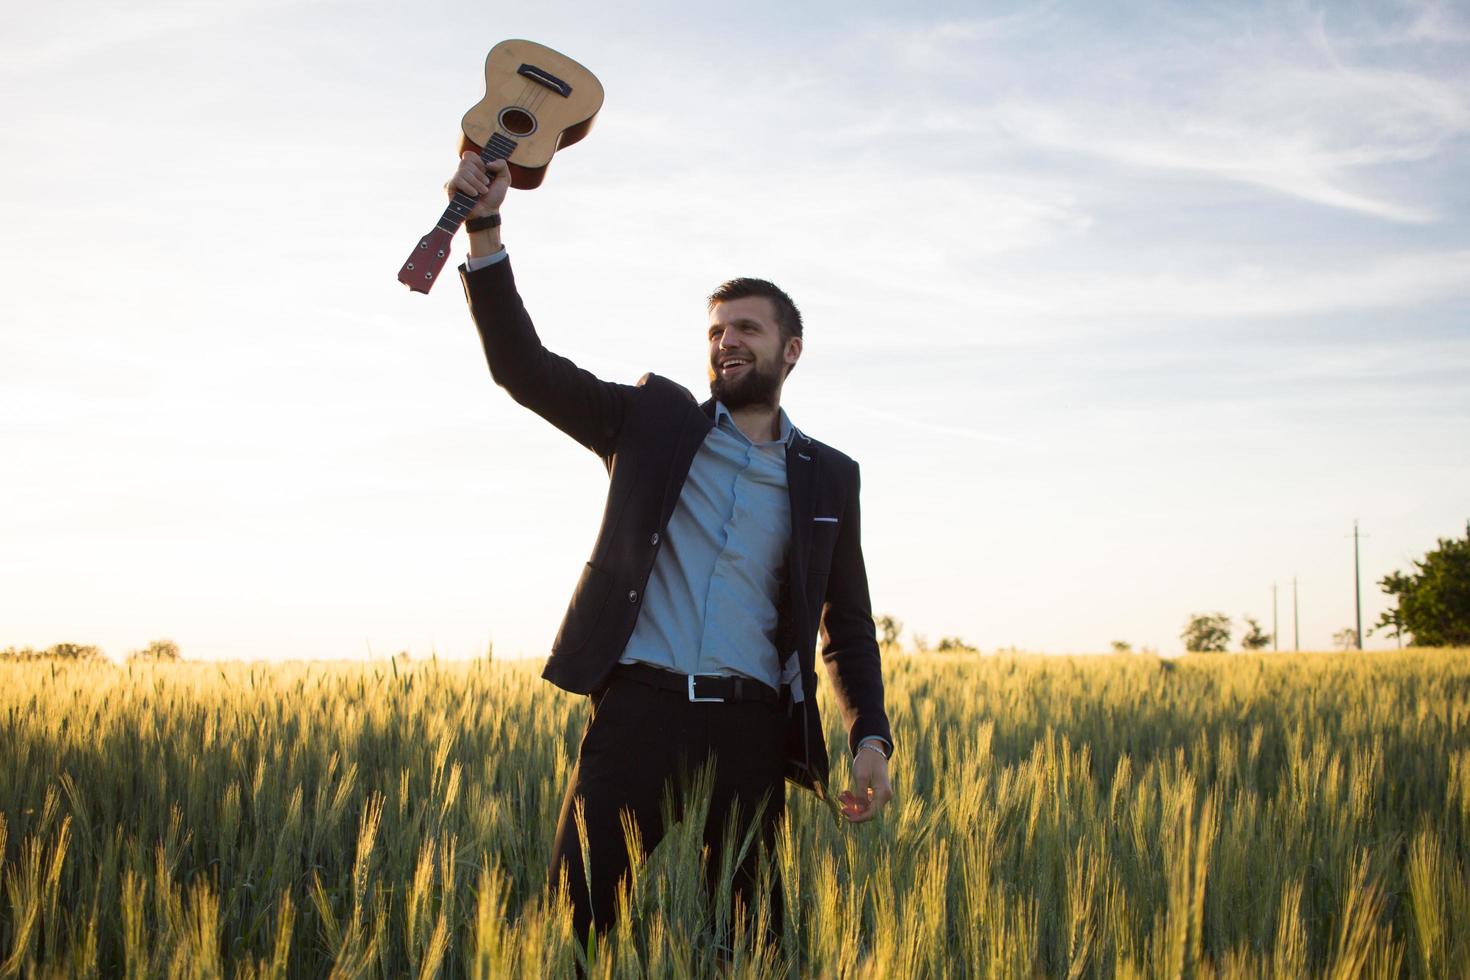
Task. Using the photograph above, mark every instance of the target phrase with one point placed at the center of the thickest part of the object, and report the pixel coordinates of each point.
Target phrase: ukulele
(536, 101)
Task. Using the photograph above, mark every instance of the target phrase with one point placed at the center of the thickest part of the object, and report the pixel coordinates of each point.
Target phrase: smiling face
(748, 357)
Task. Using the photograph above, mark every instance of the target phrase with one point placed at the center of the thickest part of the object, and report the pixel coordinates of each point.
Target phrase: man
(728, 537)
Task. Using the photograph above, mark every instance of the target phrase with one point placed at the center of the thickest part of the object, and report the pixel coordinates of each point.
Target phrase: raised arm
(574, 400)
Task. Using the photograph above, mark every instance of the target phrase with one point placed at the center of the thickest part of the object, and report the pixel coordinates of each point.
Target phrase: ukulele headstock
(426, 261)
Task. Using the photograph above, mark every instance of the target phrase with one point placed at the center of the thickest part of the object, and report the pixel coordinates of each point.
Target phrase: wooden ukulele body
(536, 101)
(529, 111)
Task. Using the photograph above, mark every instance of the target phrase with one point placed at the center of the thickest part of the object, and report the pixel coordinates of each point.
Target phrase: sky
(1127, 311)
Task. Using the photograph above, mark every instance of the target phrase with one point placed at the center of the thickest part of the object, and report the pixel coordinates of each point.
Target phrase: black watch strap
(483, 224)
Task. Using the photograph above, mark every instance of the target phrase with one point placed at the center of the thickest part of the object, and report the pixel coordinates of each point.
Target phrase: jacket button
(632, 595)
(654, 540)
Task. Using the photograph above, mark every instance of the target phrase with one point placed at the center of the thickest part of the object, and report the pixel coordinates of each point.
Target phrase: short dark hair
(788, 317)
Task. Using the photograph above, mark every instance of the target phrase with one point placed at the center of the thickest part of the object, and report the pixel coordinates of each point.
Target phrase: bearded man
(728, 539)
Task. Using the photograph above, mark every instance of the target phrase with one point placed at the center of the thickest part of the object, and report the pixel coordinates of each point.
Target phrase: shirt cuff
(473, 262)
(883, 744)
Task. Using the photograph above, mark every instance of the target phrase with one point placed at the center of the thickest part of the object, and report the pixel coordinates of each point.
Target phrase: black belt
(699, 687)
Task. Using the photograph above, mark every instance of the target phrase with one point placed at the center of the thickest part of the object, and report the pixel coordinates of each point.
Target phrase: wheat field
(1231, 816)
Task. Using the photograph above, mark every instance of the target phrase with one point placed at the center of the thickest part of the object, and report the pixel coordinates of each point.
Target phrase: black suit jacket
(647, 436)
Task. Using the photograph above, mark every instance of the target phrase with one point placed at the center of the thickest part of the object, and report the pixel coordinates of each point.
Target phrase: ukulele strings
(529, 100)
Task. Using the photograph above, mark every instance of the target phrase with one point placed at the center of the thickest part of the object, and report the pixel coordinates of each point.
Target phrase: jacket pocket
(824, 540)
(584, 612)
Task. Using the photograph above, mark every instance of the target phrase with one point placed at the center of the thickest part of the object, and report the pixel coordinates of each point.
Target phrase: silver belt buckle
(691, 692)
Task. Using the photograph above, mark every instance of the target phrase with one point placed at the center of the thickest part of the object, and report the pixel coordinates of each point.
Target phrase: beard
(760, 385)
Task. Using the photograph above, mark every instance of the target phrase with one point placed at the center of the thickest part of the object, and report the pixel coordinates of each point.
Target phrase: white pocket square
(824, 520)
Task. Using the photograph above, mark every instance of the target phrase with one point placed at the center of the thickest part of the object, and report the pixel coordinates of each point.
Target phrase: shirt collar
(784, 426)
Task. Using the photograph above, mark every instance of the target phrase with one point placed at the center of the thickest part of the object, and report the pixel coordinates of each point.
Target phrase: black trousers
(640, 739)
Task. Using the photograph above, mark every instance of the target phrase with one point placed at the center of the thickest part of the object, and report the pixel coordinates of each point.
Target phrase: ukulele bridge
(543, 77)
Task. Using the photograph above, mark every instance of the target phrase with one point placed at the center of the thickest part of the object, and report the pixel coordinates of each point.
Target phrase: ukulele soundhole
(517, 121)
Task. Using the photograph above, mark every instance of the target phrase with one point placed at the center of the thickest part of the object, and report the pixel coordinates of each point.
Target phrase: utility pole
(1357, 586)
(1296, 620)
(1274, 647)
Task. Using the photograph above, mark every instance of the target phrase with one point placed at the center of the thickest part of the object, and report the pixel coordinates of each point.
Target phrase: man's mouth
(731, 364)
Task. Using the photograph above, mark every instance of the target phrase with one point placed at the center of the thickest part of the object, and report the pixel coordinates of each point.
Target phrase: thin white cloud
(1429, 22)
(925, 45)
(60, 34)
(1397, 282)
(1209, 146)
(858, 216)
(1281, 99)
(910, 422)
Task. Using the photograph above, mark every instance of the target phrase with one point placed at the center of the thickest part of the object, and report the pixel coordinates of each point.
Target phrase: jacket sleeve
(574, 400)
(849, 638)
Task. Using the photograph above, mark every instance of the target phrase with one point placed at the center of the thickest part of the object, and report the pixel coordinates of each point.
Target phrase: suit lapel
(803, 473)
(803, 469)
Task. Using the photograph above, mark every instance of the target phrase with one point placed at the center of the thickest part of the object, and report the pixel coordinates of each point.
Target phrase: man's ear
(792, 353)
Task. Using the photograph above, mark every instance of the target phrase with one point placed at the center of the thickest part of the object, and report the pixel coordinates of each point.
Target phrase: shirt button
(632, 595)
(653, 540)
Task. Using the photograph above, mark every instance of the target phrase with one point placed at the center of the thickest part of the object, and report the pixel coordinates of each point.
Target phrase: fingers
(854, 809)
(858, 809)
(474, 178)
(499, 175)
(469, 179)
(870, 790)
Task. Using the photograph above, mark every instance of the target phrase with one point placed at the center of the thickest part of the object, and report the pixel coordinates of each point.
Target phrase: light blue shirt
(710, 603)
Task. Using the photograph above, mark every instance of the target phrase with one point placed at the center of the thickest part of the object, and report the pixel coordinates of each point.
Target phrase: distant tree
(157, 650)
(921, 642)
(59, 651)
(953, 644)
(888, 630)
(1255, 638)
(1345, 639)
(20, 653)
(74, 651)
(1207, 633)
(1122, 646)
(1391, 620)
(1433, 602)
